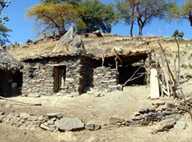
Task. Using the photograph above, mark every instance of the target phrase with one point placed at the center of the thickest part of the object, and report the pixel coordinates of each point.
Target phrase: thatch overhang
(94, 47)
(8, 62)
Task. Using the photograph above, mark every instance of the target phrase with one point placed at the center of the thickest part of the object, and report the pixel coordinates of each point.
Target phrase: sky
(24, 28)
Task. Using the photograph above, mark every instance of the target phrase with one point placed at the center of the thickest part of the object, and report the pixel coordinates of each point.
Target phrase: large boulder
(69, 124)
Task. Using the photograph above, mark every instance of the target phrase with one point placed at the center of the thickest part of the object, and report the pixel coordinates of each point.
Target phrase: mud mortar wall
(38, 78)
(105, 78)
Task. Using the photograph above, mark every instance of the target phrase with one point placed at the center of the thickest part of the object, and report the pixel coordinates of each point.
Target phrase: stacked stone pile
(49, 122)
(163, 115)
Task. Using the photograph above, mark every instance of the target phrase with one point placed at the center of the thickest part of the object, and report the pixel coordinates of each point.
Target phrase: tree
(142, 11)
(186, 10)
(182, 11)
(54, 16)
(3, 19)
(126, 9)
(148, 9)
(86, 15)
(96, 16)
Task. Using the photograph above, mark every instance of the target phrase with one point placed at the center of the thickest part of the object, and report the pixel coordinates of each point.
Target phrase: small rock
(116, 121)
(146, 110)
(51, 121)
(34, 95)
(56, 115)
(92, 127)
(180, 125)
(24, 115)
(69, 124)
(165, 125)
(170, 105)
(2, 113)
(44, 127)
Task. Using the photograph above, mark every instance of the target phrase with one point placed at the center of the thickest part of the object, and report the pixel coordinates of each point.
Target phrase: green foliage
(87, 15)
(54, 16)
(3, 19)
(174, 10)
(187, 7)
(96, 16)
(183, 11)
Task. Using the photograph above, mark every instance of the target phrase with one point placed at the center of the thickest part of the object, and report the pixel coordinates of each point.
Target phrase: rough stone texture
(37, 79)
(165, 125)
(22, 120)
(69, 124)
(105, 78)
(72, 76)
(92, 126)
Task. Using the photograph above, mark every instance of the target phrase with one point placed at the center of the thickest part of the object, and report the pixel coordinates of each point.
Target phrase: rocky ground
(94, 117)
(120, 116)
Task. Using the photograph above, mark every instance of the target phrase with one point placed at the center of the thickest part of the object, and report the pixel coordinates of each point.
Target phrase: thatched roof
(97, 47)
(7, 62)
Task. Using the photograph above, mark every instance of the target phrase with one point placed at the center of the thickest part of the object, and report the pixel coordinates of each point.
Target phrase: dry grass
(99, 47)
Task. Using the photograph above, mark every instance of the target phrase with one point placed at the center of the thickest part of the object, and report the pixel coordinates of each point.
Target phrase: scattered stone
(24, 115)
(55, 115)
(69, 124)
(34, 95)
(165, 125)
(181, 124)
(116, 121)
(146, 110)
(92, 127)
(2, 113)
(158, 103)
(44, 127)
(51, 121)
(170, 105)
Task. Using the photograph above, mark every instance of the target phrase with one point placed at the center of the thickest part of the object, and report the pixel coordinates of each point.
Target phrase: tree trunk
(140, 30)
(131, 28)
(132, 20)
(141, 25)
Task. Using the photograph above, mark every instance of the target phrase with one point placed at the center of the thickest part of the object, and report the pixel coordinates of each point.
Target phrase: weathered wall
(105, 78)
(72, 76)
(38, 77)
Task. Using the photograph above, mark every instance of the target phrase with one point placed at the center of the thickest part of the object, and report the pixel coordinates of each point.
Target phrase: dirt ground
(88, 107)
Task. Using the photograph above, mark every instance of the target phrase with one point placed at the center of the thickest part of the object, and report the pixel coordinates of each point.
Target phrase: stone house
(104, 63)
(10, 75)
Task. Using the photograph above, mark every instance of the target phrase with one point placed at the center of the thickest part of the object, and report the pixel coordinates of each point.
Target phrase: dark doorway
(10, 83)
(59, 76)
(132, 75)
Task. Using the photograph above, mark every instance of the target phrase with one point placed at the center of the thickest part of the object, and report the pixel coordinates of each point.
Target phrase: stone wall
(37, 79)
(105, 78)
(72, 76)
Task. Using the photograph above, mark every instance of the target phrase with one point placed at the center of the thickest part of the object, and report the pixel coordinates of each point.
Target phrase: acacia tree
(87, 15)
(146, 10)
(54, 16)
(182, 11)
(186, 10)
(96, 16)
(143, 11)
(126, 10)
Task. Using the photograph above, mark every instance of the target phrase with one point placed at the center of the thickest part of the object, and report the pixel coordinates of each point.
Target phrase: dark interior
(10, 83)
(131, 75)
(86, 73)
